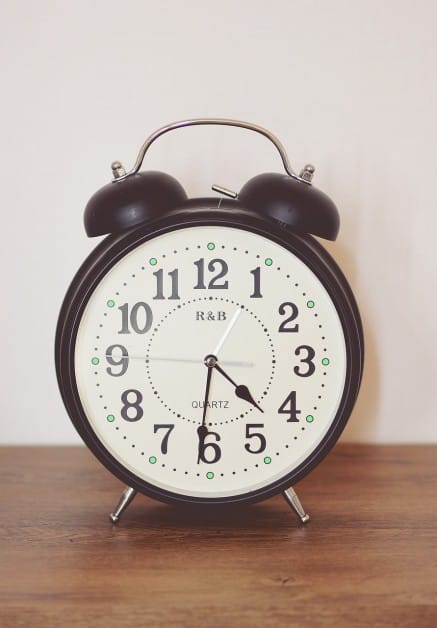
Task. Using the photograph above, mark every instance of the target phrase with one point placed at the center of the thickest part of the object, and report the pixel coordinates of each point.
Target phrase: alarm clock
(209, 351)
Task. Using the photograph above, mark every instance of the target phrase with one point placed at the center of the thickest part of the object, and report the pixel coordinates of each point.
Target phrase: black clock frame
(201, 212)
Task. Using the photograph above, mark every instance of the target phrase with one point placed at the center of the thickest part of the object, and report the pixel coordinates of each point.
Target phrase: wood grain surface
(368, 557)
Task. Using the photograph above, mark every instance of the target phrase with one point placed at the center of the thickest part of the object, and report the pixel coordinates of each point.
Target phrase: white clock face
(210, 361)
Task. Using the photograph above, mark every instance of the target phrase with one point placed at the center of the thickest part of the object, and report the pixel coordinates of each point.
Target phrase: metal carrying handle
(120, 174)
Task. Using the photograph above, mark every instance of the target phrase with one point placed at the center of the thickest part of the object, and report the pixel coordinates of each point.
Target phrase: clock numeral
(214, 264)
(256, 272)
(174, 274)
(122, 361)
(293, 315)
(289, 407)
(214, 451)
(164, 426)
(140, 318)
(308, 360)
(126, 410)
(262, 439)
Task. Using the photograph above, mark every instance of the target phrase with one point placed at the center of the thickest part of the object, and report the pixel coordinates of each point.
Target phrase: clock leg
(293, 500)
(125, 499)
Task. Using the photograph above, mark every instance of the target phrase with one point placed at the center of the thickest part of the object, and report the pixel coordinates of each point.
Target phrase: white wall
(348, 85)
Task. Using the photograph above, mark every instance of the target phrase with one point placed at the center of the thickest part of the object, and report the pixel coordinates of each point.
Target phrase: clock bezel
(191, 214)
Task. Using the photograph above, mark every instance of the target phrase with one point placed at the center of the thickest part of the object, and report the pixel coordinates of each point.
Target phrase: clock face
(210, 362)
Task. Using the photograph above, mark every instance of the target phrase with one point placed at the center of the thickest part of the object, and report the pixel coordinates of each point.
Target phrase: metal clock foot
(293, 500)
(125, 499)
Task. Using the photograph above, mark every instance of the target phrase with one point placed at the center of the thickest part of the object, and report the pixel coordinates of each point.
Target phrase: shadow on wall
(362, 426)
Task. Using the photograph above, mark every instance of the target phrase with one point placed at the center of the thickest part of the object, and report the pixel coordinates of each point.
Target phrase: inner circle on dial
(190, 332)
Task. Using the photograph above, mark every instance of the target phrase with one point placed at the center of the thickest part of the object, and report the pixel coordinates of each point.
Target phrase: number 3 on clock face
(269, 400)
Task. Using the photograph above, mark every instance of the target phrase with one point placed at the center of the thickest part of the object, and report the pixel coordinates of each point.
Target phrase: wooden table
(368, 557)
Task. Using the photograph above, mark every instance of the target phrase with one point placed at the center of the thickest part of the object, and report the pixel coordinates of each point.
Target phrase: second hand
(227, 331)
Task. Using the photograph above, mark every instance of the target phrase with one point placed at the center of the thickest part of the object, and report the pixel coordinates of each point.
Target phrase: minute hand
(202, 430)
(241, 390)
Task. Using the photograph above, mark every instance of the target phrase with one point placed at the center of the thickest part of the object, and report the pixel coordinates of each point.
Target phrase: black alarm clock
(209, 351)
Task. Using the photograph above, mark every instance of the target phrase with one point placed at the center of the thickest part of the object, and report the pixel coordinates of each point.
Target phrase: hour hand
(241, 390)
